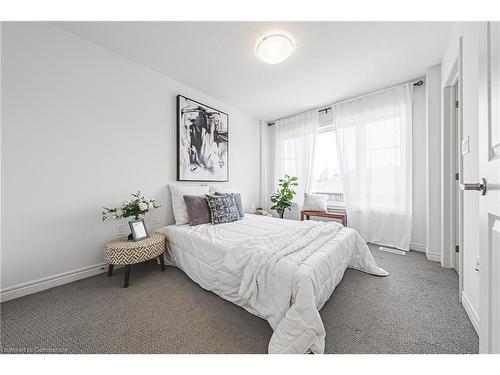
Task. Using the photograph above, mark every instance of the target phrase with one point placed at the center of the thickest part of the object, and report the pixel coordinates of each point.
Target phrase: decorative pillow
(222, 208)
(314, 202)
(197, 209)
(179, 206)
(237, 200)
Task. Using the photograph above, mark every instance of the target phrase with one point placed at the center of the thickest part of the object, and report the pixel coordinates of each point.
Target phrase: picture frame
(138, 229)
(202, 142)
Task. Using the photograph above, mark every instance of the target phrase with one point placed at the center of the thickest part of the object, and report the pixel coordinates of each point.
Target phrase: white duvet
(281, 270)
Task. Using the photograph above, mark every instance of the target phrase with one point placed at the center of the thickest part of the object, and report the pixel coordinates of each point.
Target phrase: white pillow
(179, 206)
(314, 202)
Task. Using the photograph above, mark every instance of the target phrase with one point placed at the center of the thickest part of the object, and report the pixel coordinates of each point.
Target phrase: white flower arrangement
(136, 208)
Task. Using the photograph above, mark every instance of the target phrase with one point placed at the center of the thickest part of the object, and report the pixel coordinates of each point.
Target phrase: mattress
(200, 250)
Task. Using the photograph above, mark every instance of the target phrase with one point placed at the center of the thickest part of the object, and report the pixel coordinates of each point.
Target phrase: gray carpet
(414, 310)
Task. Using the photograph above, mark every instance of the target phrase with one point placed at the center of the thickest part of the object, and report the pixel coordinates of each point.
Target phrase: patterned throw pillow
(237, 200)
(222, 208)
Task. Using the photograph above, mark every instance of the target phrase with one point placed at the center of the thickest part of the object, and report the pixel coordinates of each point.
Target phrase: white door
(489, 169)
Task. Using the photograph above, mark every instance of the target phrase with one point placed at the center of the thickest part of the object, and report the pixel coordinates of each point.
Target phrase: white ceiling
(331, 61)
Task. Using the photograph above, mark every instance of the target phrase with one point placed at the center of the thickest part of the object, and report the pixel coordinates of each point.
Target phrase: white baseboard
(434, 257)
(417, 247)
(31, 287)
(474, 318)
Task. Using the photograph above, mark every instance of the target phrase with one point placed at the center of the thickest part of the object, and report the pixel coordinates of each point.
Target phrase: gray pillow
(237, 200)
(222, 208)
(197, 209)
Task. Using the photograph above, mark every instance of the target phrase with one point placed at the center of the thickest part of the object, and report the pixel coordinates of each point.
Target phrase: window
(326, 170)
(292, 156)
(383, 143)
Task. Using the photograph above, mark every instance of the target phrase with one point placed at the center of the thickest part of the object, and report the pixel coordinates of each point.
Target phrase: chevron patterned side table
(125, 253)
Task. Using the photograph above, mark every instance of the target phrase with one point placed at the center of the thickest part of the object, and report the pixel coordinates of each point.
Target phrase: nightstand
(125, 253)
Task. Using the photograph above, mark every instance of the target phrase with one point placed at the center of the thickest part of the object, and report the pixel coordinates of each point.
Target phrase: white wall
(469, 33)
(433, 127)
(83, 127)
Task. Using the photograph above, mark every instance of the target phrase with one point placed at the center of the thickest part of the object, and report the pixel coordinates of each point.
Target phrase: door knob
(480, 186)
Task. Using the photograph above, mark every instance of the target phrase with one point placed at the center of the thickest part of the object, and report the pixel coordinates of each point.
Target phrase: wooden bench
(331, 215)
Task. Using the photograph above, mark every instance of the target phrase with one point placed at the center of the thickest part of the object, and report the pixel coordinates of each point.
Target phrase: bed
(280, 270)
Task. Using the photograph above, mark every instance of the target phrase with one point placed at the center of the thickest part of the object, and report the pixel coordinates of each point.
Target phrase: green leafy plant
(282, 199)
(135, 208)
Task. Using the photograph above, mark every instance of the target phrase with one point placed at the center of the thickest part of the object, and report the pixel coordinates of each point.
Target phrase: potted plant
(134, 208)
(282, 199)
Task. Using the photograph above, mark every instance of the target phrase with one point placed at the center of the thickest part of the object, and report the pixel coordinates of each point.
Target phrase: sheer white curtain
(374, 141)
(294, 141)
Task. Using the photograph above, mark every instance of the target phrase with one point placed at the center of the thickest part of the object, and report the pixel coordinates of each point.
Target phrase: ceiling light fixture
(274, 48)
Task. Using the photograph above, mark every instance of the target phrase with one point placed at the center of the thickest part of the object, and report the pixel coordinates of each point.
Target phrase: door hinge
(457, 249)
(456, 104)
(457, 176)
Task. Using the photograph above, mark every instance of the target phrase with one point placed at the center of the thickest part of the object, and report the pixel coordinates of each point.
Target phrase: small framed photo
(138, 229)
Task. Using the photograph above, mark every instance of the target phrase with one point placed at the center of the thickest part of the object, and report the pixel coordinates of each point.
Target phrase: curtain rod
(420, 82)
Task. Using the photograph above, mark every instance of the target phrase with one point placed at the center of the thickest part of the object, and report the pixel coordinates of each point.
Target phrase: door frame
(457, 204)
(451, 130)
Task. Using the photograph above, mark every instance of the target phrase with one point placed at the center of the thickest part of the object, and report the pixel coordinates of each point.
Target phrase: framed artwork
(202, 142)
(138, 229)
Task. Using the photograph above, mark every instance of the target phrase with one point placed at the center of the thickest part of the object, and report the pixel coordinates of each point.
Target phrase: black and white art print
(202, 142)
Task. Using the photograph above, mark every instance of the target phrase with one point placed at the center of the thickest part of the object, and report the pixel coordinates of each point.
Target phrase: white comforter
(281, 270)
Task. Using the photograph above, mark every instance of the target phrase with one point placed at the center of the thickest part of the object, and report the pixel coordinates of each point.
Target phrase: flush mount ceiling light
(274, 48)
